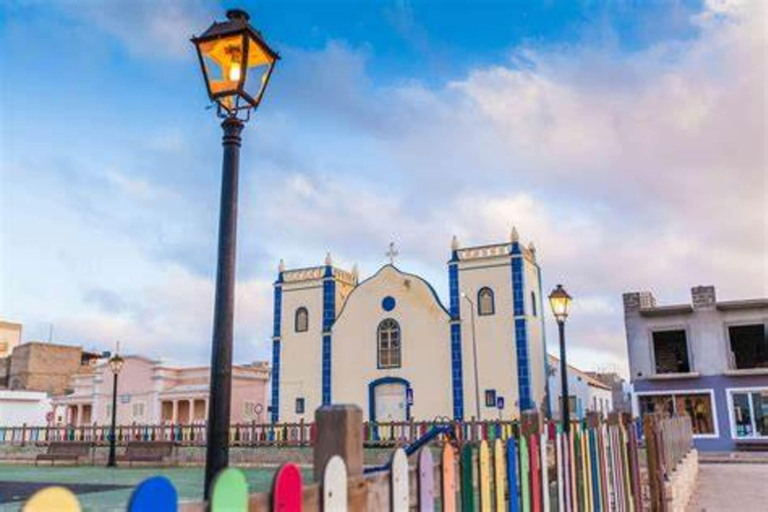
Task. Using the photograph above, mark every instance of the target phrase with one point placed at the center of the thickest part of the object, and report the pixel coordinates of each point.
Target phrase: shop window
(750, 413)
(698, 406)
(670, 350)
(749, 346)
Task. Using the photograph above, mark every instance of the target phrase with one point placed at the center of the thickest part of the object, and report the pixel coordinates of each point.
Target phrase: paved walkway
(729, 487)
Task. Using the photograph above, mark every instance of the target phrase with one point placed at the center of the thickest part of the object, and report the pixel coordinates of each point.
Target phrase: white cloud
(635, 171)
(641, 170)
(148, 28)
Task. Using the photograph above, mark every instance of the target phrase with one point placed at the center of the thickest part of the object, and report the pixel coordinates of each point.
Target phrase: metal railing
(382, 434)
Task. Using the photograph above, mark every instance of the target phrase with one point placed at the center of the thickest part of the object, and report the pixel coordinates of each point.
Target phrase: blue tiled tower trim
(275, 381)
(276, 322)
(329, 316)
(456, 363)
(521, 330)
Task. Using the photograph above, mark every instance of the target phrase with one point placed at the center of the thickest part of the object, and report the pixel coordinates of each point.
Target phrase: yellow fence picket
(484, 477)
(55, 498)
(499, 474)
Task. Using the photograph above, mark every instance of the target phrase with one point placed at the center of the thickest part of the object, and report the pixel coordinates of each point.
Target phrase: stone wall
(682, 482)
(43, 367)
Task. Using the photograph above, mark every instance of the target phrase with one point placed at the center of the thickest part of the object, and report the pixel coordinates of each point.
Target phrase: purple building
(707, 359)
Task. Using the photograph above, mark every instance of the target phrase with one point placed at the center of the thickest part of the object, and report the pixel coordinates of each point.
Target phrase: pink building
(150, 393)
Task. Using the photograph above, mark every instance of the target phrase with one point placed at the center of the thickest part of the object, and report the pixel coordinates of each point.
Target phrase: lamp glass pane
(260, 63)
(224, 61)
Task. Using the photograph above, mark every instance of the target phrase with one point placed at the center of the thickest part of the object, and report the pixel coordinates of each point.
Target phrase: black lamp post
(115, 365)
(237, 64)
(560, 302)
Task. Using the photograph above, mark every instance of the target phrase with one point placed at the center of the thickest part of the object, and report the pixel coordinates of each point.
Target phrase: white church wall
(535, 333)
(425, 336)
(301, 372)
(497, 360)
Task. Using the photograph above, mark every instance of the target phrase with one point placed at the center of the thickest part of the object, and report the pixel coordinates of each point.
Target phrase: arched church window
(485, 304)
(389, 344)
(533, 303)
(302, 320)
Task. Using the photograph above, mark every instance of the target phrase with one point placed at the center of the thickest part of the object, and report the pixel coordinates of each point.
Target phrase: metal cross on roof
(391, 253)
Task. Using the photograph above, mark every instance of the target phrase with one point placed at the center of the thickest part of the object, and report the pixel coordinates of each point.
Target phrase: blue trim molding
(276, 318)
(329, 317)
(275, 381)
(457, 379)
(372, 395)
(521, 330)
(276, 330)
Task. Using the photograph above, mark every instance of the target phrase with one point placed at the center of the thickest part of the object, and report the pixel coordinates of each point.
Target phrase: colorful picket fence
(593, 467)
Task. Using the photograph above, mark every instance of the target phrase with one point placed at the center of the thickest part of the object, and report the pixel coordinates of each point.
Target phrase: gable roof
(405, 275)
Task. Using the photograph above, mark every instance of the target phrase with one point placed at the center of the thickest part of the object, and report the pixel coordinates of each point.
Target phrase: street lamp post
(474, 353)
(236, 63)
(115, 365)
(560, 302)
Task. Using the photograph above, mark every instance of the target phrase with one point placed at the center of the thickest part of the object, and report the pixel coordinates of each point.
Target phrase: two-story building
(707, 359)
(149, 392)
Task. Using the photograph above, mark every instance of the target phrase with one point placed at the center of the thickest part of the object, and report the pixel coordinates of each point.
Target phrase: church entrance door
(391, 402)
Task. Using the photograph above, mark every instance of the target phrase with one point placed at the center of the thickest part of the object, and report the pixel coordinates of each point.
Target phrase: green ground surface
(188, 482)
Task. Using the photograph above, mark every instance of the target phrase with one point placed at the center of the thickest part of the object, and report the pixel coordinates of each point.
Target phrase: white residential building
(586, 394)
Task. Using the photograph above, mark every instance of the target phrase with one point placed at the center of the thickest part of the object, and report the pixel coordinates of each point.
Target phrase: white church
(389, 344)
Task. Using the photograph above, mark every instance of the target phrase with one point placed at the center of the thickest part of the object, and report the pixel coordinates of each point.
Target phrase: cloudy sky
(626, 139)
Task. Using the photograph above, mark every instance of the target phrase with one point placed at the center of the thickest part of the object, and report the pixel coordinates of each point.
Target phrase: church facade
(390, 345)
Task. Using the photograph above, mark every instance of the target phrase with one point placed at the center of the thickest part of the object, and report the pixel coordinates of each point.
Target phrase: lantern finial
(237, 14)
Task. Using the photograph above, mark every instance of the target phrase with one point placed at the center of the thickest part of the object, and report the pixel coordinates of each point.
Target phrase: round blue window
(388, 303)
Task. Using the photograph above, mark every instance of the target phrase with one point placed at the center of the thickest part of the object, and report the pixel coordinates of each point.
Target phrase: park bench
(65, 450)
(146, 451)
(752, 445)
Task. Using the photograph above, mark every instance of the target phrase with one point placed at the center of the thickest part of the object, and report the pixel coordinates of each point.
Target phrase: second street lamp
(115, 365)
(237, 64)
(560, 302)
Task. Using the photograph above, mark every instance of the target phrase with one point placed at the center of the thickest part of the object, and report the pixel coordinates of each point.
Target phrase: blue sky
(625, 138)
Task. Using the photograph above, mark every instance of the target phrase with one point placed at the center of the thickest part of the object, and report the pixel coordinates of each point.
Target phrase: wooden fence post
(339, 432)
(655, 470)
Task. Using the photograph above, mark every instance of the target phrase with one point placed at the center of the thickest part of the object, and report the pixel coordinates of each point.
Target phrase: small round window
(388, 303)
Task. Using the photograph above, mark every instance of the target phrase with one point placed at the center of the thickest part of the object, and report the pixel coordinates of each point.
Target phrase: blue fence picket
(156, 494)
(514, 498)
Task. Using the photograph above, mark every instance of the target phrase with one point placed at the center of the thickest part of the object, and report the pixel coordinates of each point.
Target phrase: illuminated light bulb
(234, 72)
